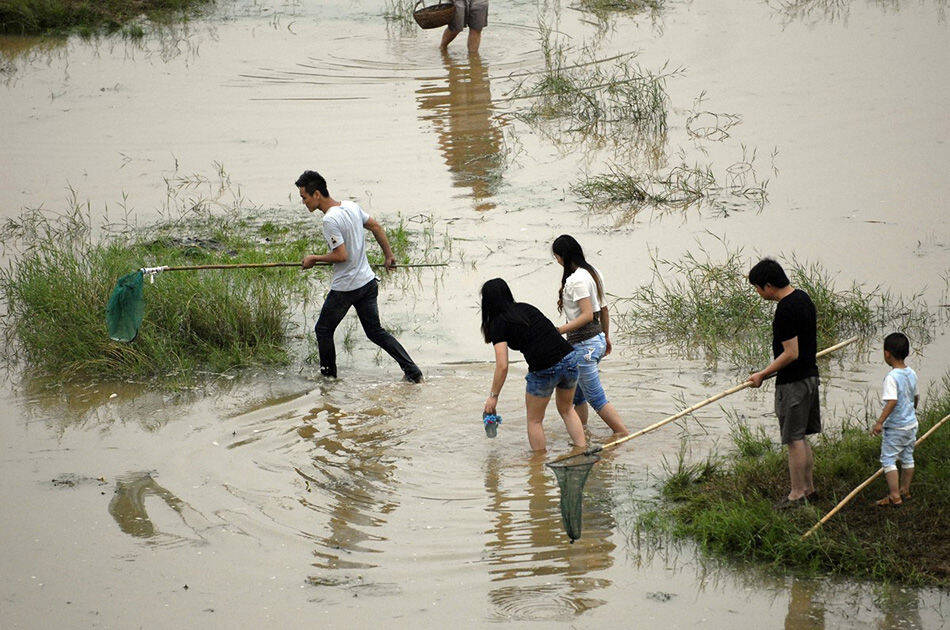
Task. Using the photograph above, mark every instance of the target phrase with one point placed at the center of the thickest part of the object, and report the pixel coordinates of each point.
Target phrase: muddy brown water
(277, 499)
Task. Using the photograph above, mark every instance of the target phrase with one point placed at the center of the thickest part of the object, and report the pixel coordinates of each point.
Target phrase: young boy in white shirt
(898, 421)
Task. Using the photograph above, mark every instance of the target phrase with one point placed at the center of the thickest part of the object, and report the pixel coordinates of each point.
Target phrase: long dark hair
(567, 247)
(496, 299)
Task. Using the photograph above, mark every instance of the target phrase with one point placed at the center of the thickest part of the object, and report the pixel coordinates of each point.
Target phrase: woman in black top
(552, 364)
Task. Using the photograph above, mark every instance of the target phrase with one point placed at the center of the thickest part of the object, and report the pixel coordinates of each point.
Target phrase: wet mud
(275, 497)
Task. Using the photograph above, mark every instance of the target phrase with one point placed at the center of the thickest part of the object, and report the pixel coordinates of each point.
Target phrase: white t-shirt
(580, 284)
(900, 384)
(343, 224)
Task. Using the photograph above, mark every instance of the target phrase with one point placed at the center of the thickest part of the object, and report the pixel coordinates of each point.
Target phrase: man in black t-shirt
(794, 344)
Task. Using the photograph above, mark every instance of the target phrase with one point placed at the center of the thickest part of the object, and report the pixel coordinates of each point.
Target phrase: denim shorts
(589, 353)
(563, 375)
(898, 445)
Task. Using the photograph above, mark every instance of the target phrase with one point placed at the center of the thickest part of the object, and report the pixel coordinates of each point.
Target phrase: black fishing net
(571, 475)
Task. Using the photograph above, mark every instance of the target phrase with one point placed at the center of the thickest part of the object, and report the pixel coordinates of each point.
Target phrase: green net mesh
(571, 475)
(126, 307)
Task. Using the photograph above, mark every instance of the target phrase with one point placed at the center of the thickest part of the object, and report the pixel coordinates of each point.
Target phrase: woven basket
(435, 15)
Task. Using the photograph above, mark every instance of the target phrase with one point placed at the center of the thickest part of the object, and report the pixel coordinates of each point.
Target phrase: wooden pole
(712, 399)
(864, 485)
(276, 264)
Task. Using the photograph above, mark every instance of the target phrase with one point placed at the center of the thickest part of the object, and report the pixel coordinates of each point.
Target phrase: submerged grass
(602, 9)
(88, 17)
(701, 305)
(56, 287)
(725, 505)
(679, 188)
(615, 99)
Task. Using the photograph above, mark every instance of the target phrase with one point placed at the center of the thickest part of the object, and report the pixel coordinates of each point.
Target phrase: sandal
(905, 495)
(888, 502)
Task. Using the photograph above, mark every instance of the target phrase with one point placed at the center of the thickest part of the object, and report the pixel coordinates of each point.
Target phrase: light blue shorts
(898, 446)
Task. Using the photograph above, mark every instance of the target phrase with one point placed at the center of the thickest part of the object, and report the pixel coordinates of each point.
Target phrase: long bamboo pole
(864, 485)
(712, 399)
(270, 264)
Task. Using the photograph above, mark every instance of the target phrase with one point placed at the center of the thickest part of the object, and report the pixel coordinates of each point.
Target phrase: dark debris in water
(660, 596)
(71, 480)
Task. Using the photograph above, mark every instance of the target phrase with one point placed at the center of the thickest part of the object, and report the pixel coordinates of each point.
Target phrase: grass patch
(682, 187)
(88, 17)
(726, 506)
(705, 306)
(614, 99)
(602, 9)
(56, 287)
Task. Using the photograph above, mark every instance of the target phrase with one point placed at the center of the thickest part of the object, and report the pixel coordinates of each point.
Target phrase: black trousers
(363, 299)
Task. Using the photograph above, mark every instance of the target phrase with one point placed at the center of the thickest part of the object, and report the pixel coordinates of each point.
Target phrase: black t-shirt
(795, 316)
(527, 330)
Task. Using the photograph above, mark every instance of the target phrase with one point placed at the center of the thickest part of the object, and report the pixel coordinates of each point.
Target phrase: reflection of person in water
(468, 137)
(127, 506)
(470, 13)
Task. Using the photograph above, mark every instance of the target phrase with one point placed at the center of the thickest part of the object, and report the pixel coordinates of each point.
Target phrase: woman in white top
(581, 299)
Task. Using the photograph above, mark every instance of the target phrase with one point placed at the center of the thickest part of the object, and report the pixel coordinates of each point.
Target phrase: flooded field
(277, 498)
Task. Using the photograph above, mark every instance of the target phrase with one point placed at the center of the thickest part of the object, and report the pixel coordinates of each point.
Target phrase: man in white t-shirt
(354, 283)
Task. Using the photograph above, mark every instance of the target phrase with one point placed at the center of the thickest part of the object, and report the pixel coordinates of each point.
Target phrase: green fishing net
(571, 475)
(126, 307)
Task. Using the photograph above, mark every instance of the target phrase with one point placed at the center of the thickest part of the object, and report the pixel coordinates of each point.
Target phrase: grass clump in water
(57, 285)
(703, 306)
(726, 506)
(602, 9)
(679, 188)
(88, 17)
(609, 99)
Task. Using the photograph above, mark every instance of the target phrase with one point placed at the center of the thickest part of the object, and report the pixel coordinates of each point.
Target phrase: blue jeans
(335, 307)
(562, 375)
(590, 352)
(897, 445)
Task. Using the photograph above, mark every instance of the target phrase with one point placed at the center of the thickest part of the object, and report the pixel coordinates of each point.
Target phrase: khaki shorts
(796, 405)
(469, 13)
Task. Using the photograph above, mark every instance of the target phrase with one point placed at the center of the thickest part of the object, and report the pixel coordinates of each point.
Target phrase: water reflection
(528, 542)
(469, 137)
(353, 469)
(128, 509)
(805, 612)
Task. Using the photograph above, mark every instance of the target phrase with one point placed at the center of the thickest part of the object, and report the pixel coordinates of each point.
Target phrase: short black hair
(312, 181)
(767, 271)
(898, 345)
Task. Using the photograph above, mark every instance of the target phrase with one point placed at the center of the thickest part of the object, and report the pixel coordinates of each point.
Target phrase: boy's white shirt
(900, 384)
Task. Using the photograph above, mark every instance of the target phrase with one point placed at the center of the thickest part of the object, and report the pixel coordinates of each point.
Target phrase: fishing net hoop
(572, 473)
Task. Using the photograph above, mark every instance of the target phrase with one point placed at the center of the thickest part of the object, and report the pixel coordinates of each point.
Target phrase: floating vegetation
(701, 306)
(684, 186)
(56, 287)
(602, 9)
(88, 17)
(612, 99)
(725, 504)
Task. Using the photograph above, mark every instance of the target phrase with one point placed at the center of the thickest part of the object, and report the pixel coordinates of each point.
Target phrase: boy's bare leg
(564, 399)
(474, 39)
(906, 475)
(892, 487)
(447, 36)
(535, 406)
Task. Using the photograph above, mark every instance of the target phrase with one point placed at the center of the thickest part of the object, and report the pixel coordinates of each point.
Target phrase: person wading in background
(794, 345)
(354, 283)
(470, 13)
